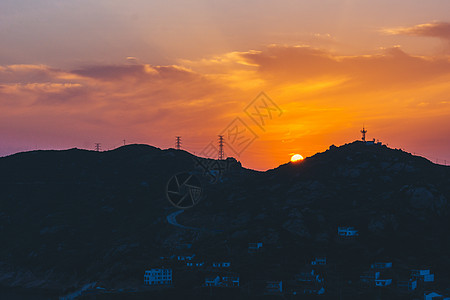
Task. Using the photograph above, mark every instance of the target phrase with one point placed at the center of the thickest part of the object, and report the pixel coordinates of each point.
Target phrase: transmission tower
(178, 142)
(98, 146)
(363, 131)
(221, 147)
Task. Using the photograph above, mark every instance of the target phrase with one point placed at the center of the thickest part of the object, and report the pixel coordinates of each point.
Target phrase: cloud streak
(436, 29)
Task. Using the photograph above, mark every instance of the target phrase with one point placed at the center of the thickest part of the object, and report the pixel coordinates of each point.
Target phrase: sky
(274, 77)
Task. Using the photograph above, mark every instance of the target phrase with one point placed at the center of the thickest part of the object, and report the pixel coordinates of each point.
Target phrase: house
(274, 287)
(434, 296)
(230, 281)
(192, 264)
(227, 281)
(309, 277)
(423, 275)
(409, 285)
(160, 276)
(254, 247)
(319, 261)
(370, 276)
(185, 257)
(383, 282)
(221, 264)
(381, 265)
(347, 232)
(212, 280)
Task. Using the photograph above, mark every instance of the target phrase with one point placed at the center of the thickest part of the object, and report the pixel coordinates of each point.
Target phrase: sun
(296, 158)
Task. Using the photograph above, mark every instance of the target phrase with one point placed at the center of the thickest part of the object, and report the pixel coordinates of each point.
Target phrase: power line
(221, 147)
(98, 146)
(178, 142)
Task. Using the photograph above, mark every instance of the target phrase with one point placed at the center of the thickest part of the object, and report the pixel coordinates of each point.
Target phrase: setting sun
(296, 157)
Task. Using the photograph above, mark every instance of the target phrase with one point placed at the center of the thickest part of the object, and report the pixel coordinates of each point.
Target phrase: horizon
(276, 78)
(436, 161)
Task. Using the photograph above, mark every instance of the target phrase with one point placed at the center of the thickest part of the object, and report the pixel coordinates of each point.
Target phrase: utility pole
(221, 147)
(124, 142)
(98, 146)
(178, 142)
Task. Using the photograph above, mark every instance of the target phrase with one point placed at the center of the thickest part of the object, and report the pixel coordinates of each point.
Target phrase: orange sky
(394, 78)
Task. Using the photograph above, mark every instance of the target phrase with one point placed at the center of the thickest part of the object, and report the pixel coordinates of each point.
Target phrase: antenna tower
(98, 146)
(363, 131)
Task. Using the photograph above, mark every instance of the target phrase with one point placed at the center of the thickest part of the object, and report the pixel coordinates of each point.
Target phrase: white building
(221, 264)
(254, 247)
(319, 261)
(227, 281)
(347, 232)
(381, 265)
(410, 285)
(195, 264)
(383, 282)
(185, 257)
(230, 281)
(434, 295)
(424, 275)
(158, 277)
(212, 281)
(274, 287)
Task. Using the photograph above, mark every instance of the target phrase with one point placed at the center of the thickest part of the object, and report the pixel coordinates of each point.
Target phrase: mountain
(72, 217)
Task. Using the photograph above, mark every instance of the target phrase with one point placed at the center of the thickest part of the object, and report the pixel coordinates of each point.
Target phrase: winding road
(172, 219)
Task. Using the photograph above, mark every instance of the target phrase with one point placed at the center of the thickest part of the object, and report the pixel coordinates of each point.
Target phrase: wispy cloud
(434, 29)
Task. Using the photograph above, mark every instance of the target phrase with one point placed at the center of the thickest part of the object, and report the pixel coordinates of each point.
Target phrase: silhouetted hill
(72, 217)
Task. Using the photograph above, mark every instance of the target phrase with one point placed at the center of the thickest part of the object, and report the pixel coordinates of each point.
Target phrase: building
(212, 280)
(230, 281)
(381, 265)
(383, 282)
(192, 264)
(254, 247)
(274, 287)
(309, 277)
(227, 281)
(422, 275)
(319, 261)
(185, 257)
(409, 285)
(347, 232)
(221, 264)
(370, 276)
(158, 277)
(434, 296)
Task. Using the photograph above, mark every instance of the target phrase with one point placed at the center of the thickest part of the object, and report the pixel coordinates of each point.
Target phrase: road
(172, 219)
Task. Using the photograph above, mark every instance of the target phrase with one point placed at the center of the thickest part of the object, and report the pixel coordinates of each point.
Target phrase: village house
(192, 264)
(409, 285)
(383, 282)
(381, 265)
(212, 280)
(319, 261)
(274, 287)
(434, 296)
(347, 232)
(254, 247)
(158, 276)
(309, 277)
(221, 264)
(423, 275)
(185, 257)
(227, 281)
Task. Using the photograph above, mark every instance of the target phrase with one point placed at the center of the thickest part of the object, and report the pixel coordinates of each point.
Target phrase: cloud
(436, 29)
(323, 95)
